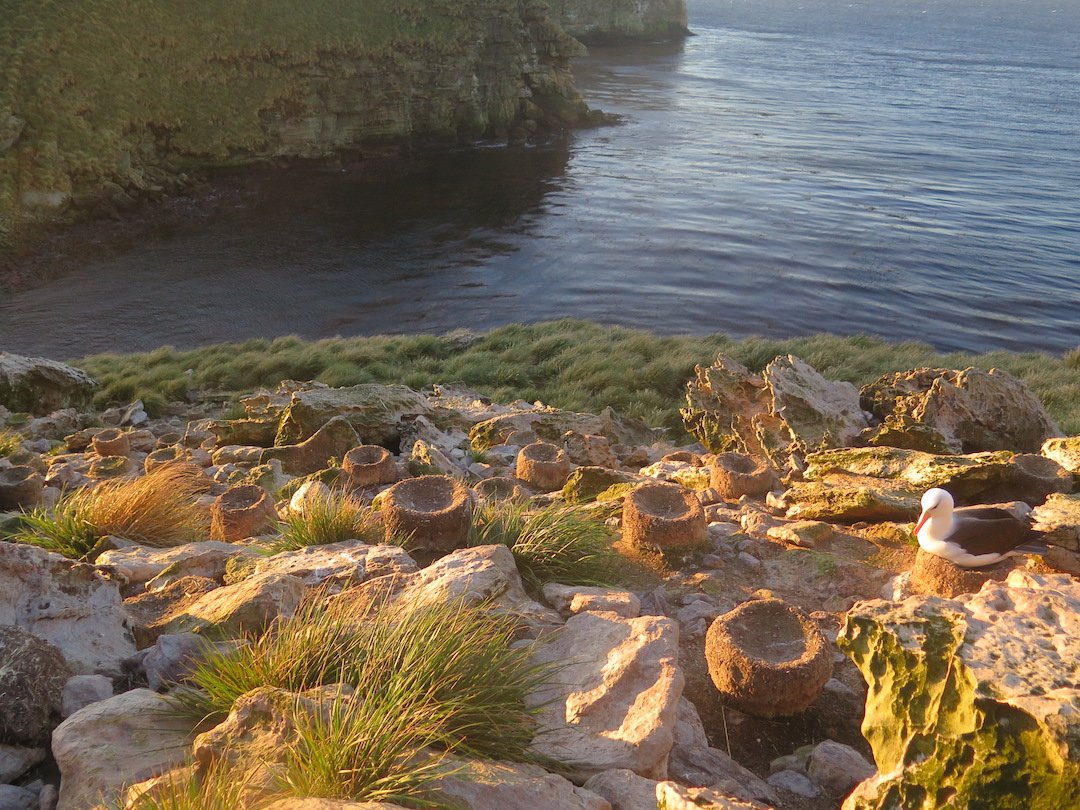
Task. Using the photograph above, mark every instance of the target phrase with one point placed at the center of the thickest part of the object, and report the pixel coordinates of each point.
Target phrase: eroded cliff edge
(108, 100)
(622, 20)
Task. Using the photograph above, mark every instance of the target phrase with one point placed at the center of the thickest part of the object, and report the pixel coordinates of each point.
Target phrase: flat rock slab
(843, 498)
(484, 785)
(246, 607)
(140, 564)
(1059, 520)
(613, 702)
(349, 562)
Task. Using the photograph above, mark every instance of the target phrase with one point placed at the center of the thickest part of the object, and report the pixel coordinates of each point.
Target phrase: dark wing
(985, 513)
(988, 535)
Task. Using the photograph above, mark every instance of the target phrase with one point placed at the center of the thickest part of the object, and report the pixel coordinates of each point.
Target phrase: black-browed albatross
(972, 536)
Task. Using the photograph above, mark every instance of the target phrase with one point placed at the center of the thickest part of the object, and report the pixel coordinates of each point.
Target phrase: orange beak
(922, 519)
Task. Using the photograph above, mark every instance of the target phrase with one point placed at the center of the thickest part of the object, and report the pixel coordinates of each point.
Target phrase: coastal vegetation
(158, 509)
(328, 519)
(570, 364)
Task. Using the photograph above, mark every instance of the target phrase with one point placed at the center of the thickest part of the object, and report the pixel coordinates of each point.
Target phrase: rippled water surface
(904, 168)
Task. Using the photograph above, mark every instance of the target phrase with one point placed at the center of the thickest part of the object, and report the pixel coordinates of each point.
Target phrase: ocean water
(901, 168)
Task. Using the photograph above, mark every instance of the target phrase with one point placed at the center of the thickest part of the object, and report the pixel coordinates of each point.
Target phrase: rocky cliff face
(102, 98)
(613, 20)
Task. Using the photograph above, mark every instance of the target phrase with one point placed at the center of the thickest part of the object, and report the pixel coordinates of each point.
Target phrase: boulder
(767, 658)
(673, 796)
(550, 424)
(117, 742)
(38, 386)
(969, 411)
(249, 606)
(82, 690)
(154, 612)
(329, 443)
(972, 694)
(1059, 521)
(68, 604)
(484, 785)
(615, 701)
(588, 451)
(818, 413)
(15, 760)
(843, 498)
(172, 658)
(679, 471)
(624, 789)
(836, 768)
(349, 562)
(32, 678)
(484, 575)
(374, 411)
(139, 565)
(1066, 452)
(976, 478)
(21, 488)
(257, 431)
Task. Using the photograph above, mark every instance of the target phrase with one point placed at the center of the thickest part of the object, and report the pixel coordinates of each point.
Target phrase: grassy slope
(569, 364)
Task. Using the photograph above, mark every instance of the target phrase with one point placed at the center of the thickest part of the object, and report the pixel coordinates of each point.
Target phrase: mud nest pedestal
(767, 658)
(665, 517)
(736, 474)
(111, 442)
(432, 511)
(543, 466)
(370, 465)
(240, 512)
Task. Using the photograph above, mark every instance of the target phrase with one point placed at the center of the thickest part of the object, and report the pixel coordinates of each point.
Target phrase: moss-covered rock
(975, 478)
(1066, 452)
(843, 498)
(972, 702)
(374, 411)
(585, 483)
(36, 385)
(549, 424)
(328, 445)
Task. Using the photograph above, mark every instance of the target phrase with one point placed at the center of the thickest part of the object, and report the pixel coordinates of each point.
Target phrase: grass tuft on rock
(551, 544)
(331, 518)
(570, 364)
(451, 662)
(218, 788)
(10, 441)
(158, 509)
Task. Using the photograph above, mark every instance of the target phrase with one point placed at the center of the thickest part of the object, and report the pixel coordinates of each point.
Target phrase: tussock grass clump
(569, 364)
(158, 509)
(451, 662)
(218, 788)
(552, 544)
(329, 519)
(10, 441)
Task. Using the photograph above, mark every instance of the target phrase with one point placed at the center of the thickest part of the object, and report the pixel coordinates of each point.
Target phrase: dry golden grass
(158, 509)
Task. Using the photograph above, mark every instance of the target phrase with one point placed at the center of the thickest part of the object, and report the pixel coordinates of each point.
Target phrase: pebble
(749, 560)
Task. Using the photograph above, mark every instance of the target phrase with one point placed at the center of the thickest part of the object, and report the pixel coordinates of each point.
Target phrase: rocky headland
(227, 84)
(205, 607)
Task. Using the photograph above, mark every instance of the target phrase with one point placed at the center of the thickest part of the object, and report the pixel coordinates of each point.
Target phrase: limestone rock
(139, 565)
(151, 613)
(837, 768)
(479, 575)
(1059, 520)
(483, 785)
(585, 483)
(588, 451)
(32, 677)
(172, 658)
(573, 599)
(349, 562)
(971, 694)
(843, 498)
(673, 796)
(82, 690)
(1065, 451)
(624, 789)
(550, 424)
(787, 411)
(802, 533)
(967, 411)
(13, 797)
(68, 604)
(795, 783)
(331, 441)
(248, 606)
(116, 742)
(976, 478)
(38, 386)
(615, 702)
(374, 411)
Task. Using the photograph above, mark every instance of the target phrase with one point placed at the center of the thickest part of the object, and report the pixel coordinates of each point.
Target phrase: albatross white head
(936, 521)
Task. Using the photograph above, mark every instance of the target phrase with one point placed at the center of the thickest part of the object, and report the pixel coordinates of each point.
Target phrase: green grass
(552, 544)
(450, 661)
(329, 519)
(569, 364)
(10, 441)
(158, 509)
